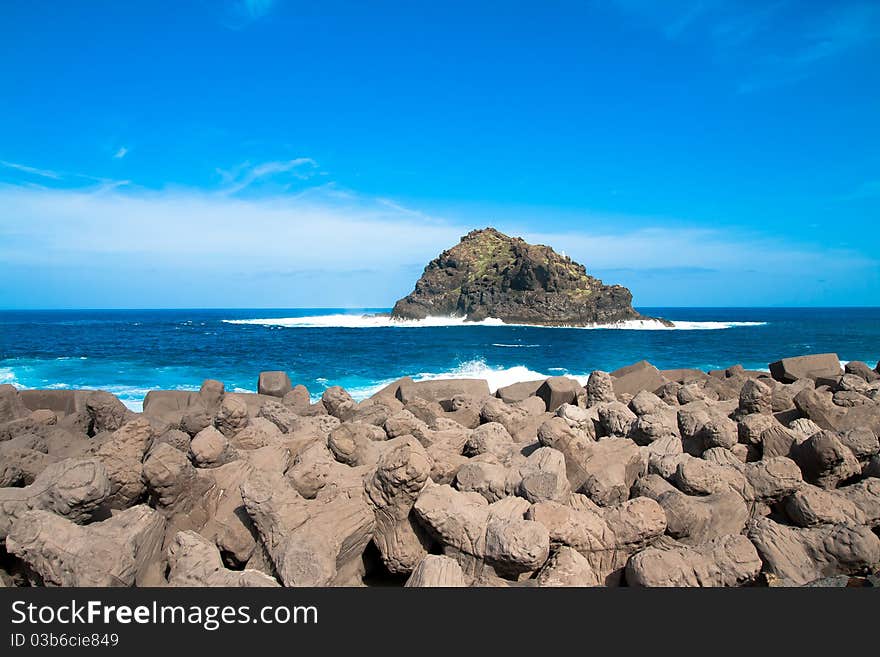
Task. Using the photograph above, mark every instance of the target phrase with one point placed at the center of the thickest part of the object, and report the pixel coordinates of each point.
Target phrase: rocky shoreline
(643, 477)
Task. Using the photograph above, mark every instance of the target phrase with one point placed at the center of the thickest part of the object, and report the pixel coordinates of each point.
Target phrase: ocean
(129, 352)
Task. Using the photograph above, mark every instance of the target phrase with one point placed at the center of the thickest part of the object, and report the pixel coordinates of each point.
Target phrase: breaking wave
(384, 321)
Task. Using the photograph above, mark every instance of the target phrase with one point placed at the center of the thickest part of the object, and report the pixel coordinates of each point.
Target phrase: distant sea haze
(129, 352)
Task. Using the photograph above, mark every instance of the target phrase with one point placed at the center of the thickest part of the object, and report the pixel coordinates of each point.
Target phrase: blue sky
(279, 153)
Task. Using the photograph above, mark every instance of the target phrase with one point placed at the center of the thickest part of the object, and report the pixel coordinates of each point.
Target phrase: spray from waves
(384, 321)
(497, 376)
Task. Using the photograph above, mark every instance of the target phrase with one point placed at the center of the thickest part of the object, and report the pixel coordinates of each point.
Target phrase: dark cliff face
(489, 274)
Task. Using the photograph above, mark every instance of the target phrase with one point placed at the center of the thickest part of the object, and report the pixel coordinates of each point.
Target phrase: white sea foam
(498, 377)
(384, 321)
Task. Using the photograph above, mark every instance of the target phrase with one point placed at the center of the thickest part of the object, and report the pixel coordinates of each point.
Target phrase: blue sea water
(130, 352)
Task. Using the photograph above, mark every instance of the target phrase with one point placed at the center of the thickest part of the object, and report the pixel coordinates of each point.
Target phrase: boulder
(298, 399)
(11, 405)
(860, 369)
(695, 519)
(274, 384)
(73, 488)
(479, 535)
(800, 556)
(789, 370)
(825, 460)
(442, 390)
(195, 562)
(400, 476)
(729, 560)
(632, 379)
(105, 411)
(436, 570)
(310, 542)
(124, 550)
(518, 391)
(605, 537)
(600, 388)
(559, 390)
(567, 567)
(122, 455)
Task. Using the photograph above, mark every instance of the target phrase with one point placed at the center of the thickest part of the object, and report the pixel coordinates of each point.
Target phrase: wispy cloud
(238, 14)
(870, 189)
(768, 44)
(121, 153)
(246, 174)
(43, 173)
(840, 30)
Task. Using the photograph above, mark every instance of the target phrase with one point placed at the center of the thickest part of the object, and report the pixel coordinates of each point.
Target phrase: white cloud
(121, 153)
(43, 173)
(246, 174)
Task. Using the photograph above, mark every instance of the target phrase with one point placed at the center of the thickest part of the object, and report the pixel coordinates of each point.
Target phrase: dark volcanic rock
(489, 274)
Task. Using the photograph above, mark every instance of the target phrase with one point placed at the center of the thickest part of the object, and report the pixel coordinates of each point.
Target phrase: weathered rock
(559, 390)
(311, 543)
(105, 411)
(260, 432)
(442, 390)
(399, 478)
(805, 427)
(519, 421)
(175, 437)
(632, 379)
(567, 567)
(825, 460)
(861, 442)
(723, 561)
(72, 488)
(860, 369)
(518, 391)
(544, 477)
(436, 570)
(695, 519)
(122, 456)
(298, 399)
(789, 370)
(232, 416)
(604, 470)
(211, 449)
(11, 405)
(606, 537)
(615, 419)
(804, 555)
(477, 535)
(338, 403)
(274, 384)
(195, 561)
(123, 550)
(600, 388)
(489, 274)
(755, 397)
(20, 466)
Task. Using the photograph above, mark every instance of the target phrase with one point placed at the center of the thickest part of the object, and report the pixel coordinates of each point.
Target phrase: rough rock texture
(74, 489)
(489, 274)
(799, 556)
(789, 370)
(723, 561)
(121, 551)
(195, 561)
(642, 478)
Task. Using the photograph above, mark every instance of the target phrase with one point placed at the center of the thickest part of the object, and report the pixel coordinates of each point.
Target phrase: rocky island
(491, 275)
(642, 477)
